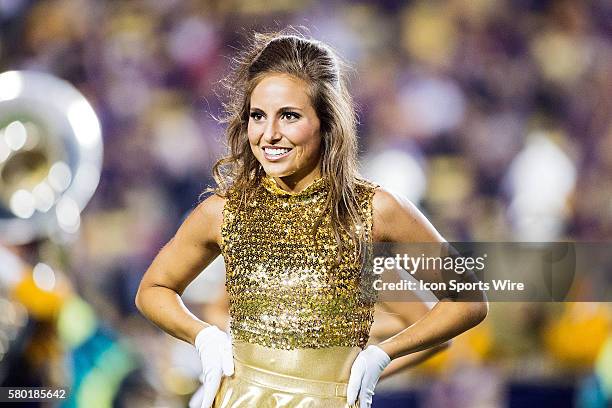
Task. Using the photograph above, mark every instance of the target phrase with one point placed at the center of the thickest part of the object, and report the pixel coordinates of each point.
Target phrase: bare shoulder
(206, 219)
(397, 219)
(212, 207)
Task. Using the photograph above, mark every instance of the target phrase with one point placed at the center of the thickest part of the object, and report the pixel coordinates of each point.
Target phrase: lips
(274, 153)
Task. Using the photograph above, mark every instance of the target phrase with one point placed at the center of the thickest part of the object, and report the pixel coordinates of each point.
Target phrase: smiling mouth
(276, 153)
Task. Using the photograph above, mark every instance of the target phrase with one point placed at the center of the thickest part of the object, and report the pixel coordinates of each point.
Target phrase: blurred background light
(76, 322)
(33, 135)
(60, 176)
(398, 171)
(44, 197)
(540, 178)
(43, 276)
(428, 32)
(15, 135)
(84, 122)
(201, 34)
(22, 204)
(12, 269)
(68, 216)
(10, 86)
(603, 366)
(432, 105)
(5, 150)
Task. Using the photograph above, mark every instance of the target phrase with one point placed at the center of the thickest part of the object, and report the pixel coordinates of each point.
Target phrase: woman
(295, 224)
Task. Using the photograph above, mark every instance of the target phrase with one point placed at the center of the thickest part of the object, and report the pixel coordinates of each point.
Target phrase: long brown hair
(315, 63)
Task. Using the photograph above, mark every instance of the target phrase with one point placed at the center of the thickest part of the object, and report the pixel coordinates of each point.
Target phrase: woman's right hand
(215, 349)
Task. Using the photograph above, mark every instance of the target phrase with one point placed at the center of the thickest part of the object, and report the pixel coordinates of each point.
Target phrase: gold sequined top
(285, 291)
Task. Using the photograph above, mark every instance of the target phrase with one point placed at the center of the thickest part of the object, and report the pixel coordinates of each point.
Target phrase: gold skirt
(273, 378)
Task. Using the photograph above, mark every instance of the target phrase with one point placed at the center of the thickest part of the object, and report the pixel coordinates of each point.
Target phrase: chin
(274, 171)
(278, 174)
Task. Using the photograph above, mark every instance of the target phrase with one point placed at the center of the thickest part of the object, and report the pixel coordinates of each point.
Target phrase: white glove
(365, 373)
(215, 349)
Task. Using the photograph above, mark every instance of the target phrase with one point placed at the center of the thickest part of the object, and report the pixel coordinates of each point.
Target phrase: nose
(271, 133)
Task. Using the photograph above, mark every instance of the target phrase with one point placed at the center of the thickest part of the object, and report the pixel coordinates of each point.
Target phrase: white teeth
(276, 152)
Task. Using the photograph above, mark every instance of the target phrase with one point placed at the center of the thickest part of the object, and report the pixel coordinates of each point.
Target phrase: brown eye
(256, 116)
(290, 115)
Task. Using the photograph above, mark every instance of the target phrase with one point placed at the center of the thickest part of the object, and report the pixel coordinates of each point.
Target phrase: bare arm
(408, 313)
(398, 220)
(193, 247)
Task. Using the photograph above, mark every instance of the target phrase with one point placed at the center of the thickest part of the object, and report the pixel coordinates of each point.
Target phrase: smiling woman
(295, 223)
(284, 131)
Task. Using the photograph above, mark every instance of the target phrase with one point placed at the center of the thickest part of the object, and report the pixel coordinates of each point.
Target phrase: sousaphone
(50, 156)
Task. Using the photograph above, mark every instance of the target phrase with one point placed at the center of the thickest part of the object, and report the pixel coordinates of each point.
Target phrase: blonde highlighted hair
(290, 52)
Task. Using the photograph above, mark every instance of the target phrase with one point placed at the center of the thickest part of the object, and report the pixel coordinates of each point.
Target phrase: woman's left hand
(365, 372)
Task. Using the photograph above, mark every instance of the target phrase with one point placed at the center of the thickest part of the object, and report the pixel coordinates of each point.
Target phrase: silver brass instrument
(50, 156)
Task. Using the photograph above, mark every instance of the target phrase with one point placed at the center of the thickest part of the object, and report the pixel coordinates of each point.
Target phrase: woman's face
(284, 132)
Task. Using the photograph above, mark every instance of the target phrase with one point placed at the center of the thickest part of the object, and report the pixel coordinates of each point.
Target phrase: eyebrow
(283, 109)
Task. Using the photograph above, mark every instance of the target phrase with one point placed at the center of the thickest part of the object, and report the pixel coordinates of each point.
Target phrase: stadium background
(492, 115)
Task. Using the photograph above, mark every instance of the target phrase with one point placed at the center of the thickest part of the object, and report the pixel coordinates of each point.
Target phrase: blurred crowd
(493, 116)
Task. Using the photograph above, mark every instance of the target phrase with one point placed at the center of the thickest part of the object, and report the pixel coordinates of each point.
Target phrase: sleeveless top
(286, 289)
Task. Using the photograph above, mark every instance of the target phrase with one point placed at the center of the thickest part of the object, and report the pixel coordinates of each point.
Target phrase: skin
(281, 115)
(197, 241)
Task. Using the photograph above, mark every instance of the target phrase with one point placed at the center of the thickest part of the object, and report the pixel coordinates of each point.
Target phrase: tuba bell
(50, 157)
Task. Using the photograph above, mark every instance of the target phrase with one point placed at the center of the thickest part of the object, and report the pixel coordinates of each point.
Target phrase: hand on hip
(365, 372)
(215, 349)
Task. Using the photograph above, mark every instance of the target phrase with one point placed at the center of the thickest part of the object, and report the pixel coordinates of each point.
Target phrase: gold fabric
(285, 289)
(299, 378)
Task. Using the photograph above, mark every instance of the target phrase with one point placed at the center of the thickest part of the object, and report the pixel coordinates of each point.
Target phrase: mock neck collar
(316, 185)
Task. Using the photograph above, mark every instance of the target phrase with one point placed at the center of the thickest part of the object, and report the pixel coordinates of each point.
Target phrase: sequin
(285, 291)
